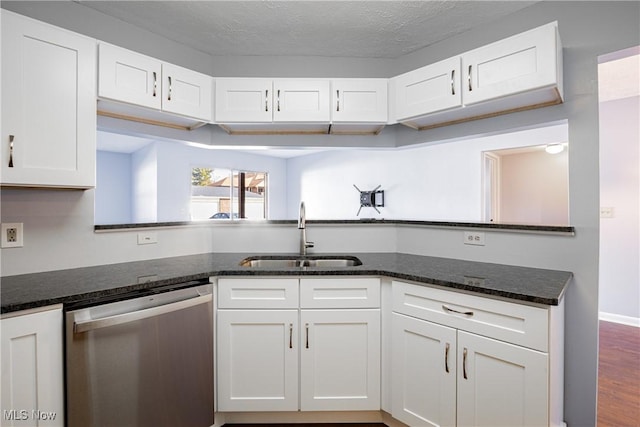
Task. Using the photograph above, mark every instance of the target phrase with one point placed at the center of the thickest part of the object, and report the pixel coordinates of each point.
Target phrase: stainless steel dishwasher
(143, 361)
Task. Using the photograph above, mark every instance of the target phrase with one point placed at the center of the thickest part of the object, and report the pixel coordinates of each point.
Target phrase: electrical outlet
(12, 235)
(474, 238)
(606, 212)
(147, 238)
(474, 281)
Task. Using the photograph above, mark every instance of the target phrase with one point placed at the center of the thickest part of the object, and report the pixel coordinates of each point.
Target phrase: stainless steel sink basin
(306, 261)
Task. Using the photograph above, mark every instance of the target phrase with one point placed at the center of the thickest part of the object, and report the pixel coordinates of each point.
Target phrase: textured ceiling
(366, 29)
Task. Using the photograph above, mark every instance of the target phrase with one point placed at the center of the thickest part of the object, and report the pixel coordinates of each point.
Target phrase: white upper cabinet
(429, 89)
(187, 92)
(244, 100)
(358, 106)
(48, 100)
(522, 63)
(129, 77)
(263, 106)
(520, 72)
(301, 100)
(137, 80)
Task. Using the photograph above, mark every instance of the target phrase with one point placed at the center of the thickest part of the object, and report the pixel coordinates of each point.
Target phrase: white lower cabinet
(445, 377)
(276, 354)
(340, 360)
(500, 384)
(445, 373)
(32, 391)
(423, 381)
(257, 360)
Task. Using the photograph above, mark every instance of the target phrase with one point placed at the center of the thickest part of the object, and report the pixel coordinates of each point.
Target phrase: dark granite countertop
(67, 286)
(495, 226)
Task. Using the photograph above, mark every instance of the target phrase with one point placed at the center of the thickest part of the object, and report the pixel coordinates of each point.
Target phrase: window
(227, 194)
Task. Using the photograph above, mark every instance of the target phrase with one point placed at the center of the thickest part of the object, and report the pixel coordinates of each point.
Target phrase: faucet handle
(309, 244)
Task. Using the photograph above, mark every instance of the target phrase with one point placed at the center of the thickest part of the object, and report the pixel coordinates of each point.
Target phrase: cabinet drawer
(257, 293)
(515, 323)
(340, 293)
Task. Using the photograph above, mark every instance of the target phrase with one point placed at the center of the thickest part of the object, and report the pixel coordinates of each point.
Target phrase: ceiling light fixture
(554, 148)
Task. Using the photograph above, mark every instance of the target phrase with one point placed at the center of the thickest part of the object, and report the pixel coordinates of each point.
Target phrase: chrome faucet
(302, 226)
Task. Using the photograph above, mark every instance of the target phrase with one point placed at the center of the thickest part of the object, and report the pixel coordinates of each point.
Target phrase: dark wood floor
(619, 376)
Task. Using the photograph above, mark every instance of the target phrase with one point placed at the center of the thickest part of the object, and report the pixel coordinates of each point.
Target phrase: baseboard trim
(618, 318)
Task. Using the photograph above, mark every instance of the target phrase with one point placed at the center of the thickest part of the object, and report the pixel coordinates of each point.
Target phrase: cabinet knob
(11, 151)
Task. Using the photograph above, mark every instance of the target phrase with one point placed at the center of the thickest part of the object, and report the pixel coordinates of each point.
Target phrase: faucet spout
(302, 221)
(302, 226)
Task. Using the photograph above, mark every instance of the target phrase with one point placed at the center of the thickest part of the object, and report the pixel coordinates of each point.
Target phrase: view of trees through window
(227, 194)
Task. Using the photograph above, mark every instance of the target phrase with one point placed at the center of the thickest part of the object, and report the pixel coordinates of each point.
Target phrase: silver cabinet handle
(266, 100)
(453, 87)
(169, 96)
(11, 151)
(451, 310)
(338, 101)
(290, 335)
(469, 79)
(464, 363)
(118, 319)
(446, 358)
(306, 326)
(278, 96)
(155, 84)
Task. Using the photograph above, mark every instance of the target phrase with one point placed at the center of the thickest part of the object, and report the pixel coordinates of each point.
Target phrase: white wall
(160, 175)
(145, 184)
(534, 188)
(438, 182)
(620, 190)
(113, 177)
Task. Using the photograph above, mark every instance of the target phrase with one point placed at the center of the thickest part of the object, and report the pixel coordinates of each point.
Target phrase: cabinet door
(301, 100)
(359, 100)
(423, 384)
(257, 360)
(129, 77)
(48, 105)
(524, 62)
(428, 89)
(187, 92)
(340, 360)
(243, 101)
(32, 369)
(501, 384)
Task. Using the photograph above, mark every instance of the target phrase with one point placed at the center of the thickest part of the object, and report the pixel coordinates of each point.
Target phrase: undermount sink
(301, 261)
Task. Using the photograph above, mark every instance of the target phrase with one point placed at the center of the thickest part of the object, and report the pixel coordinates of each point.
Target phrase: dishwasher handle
(89, 325)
